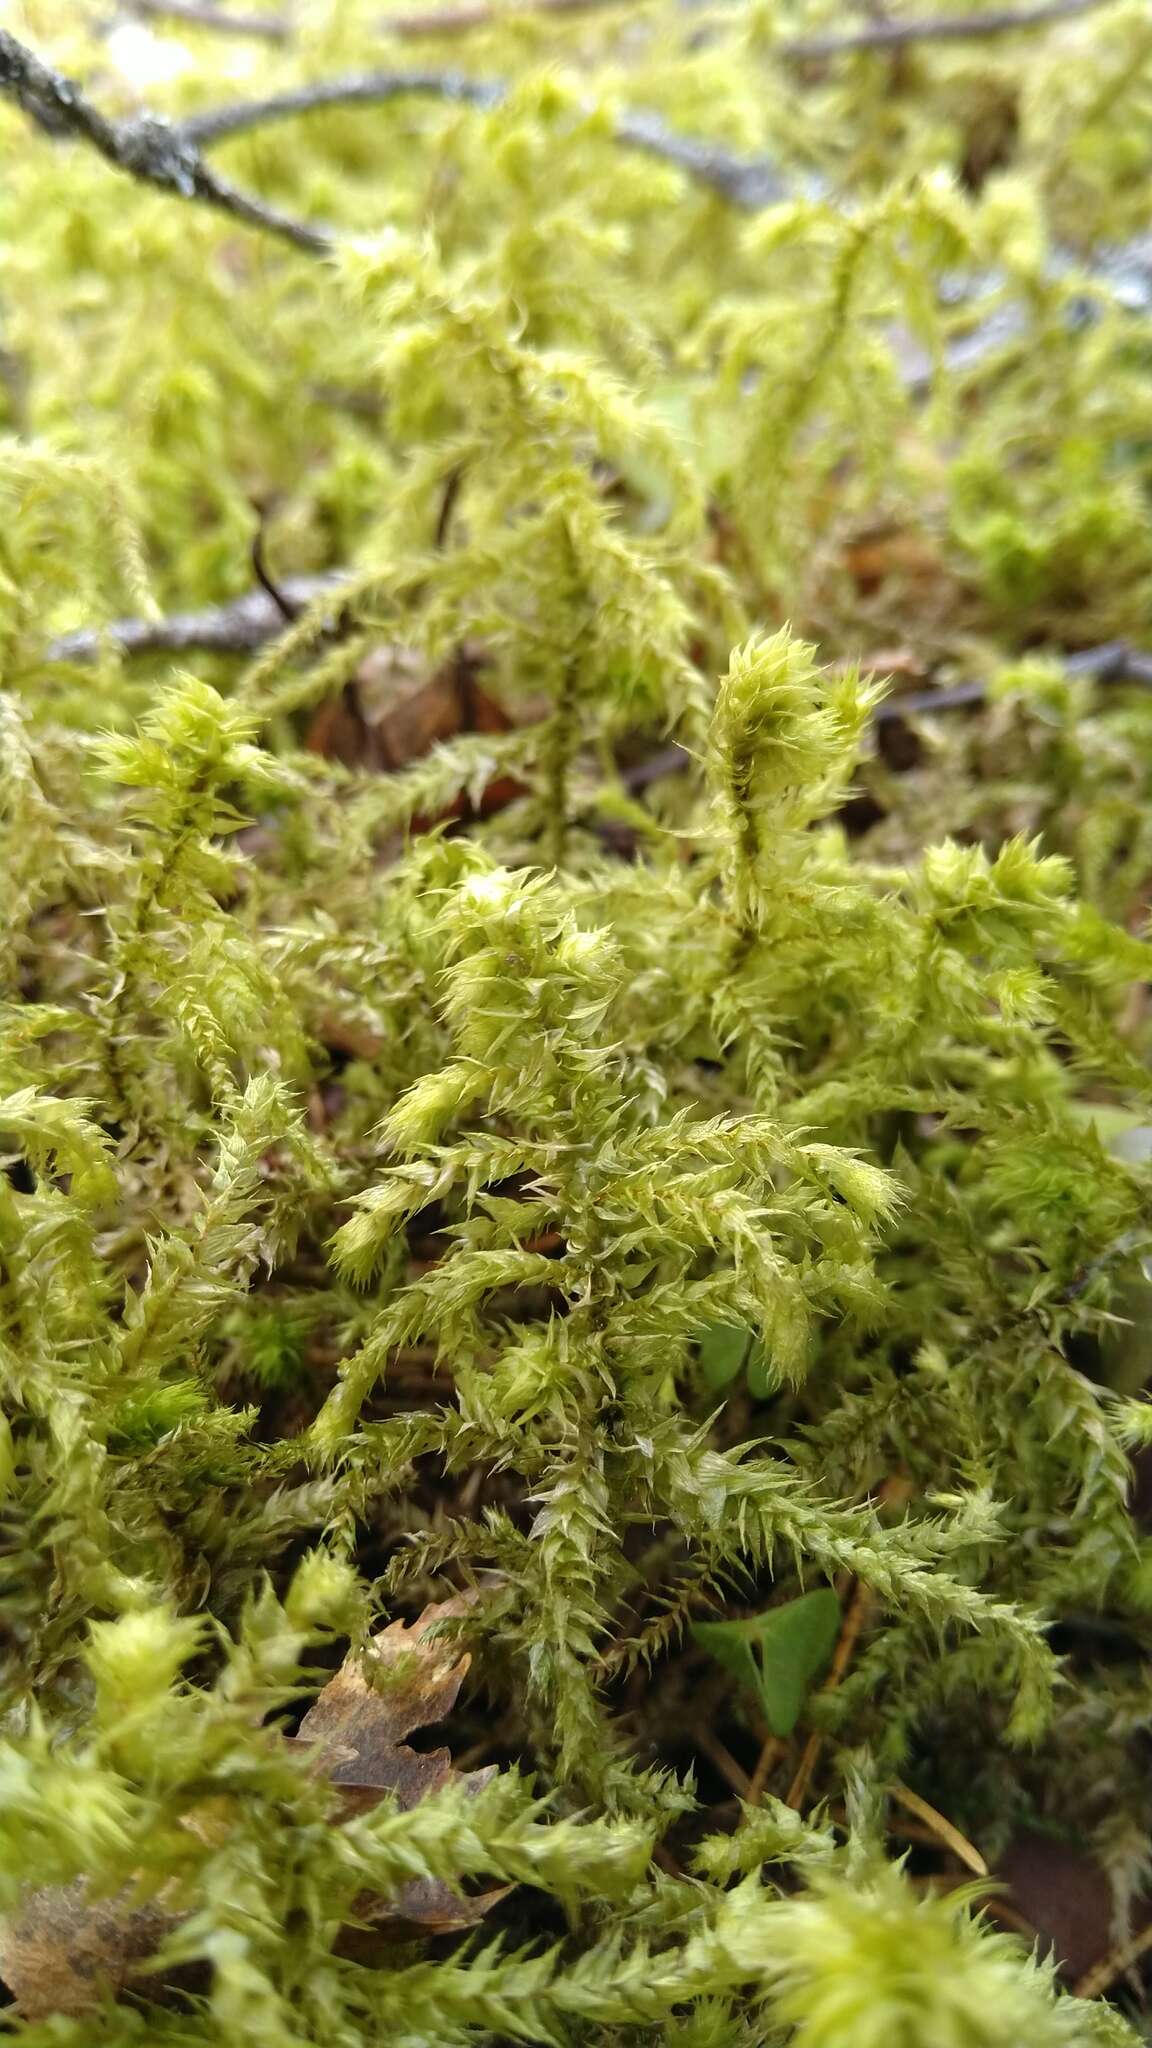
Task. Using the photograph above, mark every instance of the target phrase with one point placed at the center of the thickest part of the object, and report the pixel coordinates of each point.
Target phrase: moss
(381, 1145)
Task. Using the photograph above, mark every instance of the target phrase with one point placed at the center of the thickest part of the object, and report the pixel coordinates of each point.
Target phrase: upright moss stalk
(384, 1145)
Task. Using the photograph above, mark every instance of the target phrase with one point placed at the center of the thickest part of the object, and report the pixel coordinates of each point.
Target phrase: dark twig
(943, 28)
(169, 156)
(14, 384)
(722, 1760)
(747, 182)
(1127, 1242)
(457, 21)
(452, 485)
(288, 609)
(148, 148)
(363, 89)
(270, 28)
(1114, 662)
(249, 622)
(362, 405)
(242, 627)
(878, 34)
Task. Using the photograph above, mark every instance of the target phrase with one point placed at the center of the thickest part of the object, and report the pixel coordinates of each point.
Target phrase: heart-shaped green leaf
(723, 1349)
(777, 1656)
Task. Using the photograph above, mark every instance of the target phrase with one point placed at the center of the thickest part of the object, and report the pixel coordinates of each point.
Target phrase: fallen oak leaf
(890, 552)
(393, 711)
(356, 1728)
(378, 724)
(63, 1951)
(356, 1731)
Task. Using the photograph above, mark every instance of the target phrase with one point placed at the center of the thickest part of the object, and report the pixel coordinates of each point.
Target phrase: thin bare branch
(170, 157)
(269, 28)
(148, 148)
(359, 89)
(1114, 662)
(457, 21)
(747, 182)
(242, 627)
(249, 622)
(941, 1827)
(1103, 1974)
(943, 28)
(878, 34)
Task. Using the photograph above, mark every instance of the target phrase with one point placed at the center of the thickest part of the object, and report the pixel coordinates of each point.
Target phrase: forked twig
(170, 155)
(153, 151)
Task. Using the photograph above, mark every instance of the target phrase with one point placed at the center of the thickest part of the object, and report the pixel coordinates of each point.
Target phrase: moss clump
(506, 1100)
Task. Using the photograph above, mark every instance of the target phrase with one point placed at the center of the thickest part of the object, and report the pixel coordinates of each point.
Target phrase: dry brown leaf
(394, 711)
(357, 1728)
(1063, 1894)
(380, 723)
(890, 553)
(63, 1951)
(357, 1731)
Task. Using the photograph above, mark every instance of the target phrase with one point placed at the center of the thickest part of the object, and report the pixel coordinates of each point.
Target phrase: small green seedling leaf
(777, 1656)
(761, 1380)
(726, 1350)
(723, 1350)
